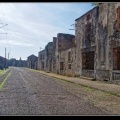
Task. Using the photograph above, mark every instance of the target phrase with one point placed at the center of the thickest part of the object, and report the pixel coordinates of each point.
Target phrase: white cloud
(35, 24)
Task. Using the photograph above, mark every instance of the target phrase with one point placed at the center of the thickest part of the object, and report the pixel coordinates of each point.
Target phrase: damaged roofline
(86, 13)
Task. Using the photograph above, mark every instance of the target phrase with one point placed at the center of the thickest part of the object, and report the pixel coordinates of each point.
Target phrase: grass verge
(2, 72)
(4, 81)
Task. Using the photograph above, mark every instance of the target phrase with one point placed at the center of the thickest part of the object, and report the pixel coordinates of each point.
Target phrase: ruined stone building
(49, 50)
(53, 64)
(85, 31)
(109, 40)
(66, 54)
(32, 61)
(93, 52)
(98, 42)
(45, 58)
(59, 55)
(42, 60)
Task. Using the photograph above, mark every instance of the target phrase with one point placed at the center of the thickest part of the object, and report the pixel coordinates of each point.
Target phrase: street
(30, 93)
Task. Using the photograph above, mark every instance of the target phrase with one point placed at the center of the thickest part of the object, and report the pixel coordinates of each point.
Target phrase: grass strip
(4, 81)
(2, 72)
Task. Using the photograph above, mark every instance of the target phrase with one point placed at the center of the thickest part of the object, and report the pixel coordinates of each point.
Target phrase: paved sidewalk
(100, 85)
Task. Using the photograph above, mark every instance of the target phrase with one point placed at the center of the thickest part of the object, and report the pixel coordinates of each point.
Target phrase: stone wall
(68, 65)
(54, 55)
(104, 37)
(32, 61)
(63, 43)
(42, 60)
(107, 37)
(97, 32)
(103, 75)
(84, 25)
(49, 50)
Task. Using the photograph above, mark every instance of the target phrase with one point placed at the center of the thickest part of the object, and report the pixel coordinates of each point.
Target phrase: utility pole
(5, 58)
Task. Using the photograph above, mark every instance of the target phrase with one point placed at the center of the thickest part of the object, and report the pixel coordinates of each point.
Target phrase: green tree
(95, 4)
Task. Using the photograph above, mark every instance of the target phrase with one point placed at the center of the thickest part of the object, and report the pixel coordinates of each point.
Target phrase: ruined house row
(59, 55)
(93, 52)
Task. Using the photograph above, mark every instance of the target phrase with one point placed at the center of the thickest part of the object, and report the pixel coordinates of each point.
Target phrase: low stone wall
(116, 75)
(102, 74)
(88, 73)
(61, 72)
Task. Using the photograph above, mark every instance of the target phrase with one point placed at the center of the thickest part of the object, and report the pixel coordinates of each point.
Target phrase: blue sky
(33, 25)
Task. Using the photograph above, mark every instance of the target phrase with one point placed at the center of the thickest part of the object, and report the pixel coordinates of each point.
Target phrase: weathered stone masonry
(41, 60)
(66, 54)
(53, 64)
(86, 43)
(32, 62)
(49, 50)
(45, 58)
(59, 56)
(104, 41)
(94, 51)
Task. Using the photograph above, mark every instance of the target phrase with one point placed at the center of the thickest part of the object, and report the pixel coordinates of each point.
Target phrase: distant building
(32, 61)
(45, 58)
(54, 57)
(22, 63)
(49, 50)
(59, 55)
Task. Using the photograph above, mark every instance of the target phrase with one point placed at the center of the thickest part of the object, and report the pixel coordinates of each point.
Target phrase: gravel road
(30, 93)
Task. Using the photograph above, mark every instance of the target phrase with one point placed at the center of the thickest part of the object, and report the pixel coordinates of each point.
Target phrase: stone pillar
(95, 64)
(110, 49)
(96, 58)
(110, 62)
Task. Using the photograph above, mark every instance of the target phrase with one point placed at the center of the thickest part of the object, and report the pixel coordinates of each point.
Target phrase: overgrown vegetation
(4, 81)
(95, 4)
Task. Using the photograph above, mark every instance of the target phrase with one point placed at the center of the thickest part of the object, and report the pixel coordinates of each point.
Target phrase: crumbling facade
(98, 44)
(109, 38)
(86, 43)
(94, 51)
(42, 60)
(66, 50)
(49, 50)
(53, 64)
(45, 58)
(59, 55)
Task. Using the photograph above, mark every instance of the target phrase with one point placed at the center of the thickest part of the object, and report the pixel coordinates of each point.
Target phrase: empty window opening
(61, 66)
(88, 60)
(69, 66)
